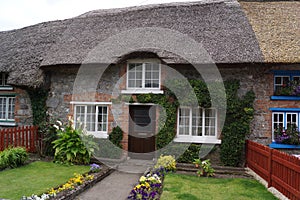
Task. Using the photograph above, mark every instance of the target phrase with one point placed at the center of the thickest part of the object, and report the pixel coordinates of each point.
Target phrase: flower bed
(150, 185)
(75, 185)
(291, 135)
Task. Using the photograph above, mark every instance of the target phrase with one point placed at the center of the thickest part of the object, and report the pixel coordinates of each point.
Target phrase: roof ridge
(111, 11)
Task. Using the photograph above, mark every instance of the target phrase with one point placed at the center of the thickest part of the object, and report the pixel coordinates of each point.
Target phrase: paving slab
(116, 186)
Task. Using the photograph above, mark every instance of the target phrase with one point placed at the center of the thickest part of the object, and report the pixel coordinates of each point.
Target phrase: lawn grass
(187, 187)
(35, 178)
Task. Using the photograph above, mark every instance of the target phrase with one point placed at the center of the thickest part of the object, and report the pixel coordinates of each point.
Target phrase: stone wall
(23, 111)
(252, 77)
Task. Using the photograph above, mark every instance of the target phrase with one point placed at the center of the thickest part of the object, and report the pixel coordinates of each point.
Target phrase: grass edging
(273, 190)
(70, 195)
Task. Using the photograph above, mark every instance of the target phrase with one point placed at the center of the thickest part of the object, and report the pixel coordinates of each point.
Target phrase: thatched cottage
(84, 61)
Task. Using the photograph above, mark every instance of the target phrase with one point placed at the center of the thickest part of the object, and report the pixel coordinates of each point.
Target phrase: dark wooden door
(141, 132)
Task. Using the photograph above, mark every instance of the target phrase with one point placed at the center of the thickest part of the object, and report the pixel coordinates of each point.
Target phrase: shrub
(73, 146)
(48, 131)
(167, 162)
(13, 157)
(116, 136)
(205, 168)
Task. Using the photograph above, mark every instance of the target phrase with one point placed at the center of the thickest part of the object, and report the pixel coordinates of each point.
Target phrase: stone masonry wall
(252, 77)
(23, 111)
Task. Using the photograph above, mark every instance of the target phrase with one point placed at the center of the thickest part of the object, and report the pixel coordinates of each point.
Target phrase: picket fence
(26, 136)
(280, 170)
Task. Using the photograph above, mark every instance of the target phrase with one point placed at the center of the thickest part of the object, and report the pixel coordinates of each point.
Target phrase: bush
(48, 131)
(205, 168)
(13, 157)
(73, 146)
(116, 136)
(167, 162)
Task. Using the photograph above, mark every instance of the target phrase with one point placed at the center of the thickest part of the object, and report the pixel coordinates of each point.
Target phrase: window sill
(8, 123)
(142, 91)
(286, 98)
(275, 145)
(99, 134)
(197, 140)
(5, 88)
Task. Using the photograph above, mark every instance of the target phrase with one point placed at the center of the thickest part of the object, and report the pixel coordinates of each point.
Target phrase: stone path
(118, 185)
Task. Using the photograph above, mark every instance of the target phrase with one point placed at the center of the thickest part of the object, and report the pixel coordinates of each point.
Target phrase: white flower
(59, 122)
(56, 127)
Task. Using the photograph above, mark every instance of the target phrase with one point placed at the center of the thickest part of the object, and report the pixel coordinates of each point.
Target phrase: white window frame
(96, 133)
(3, 85)
(6, 120)
(193, 138)
(143, 89)
(281, 84)
(284, 120)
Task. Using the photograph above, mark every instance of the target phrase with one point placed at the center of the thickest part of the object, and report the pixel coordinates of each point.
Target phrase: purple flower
(95, 167)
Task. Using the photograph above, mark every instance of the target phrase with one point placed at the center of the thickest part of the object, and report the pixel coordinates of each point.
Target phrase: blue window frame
(282, 117)
(282, 84)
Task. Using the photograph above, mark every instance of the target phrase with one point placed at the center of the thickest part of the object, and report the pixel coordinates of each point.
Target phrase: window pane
(152, 75)
(90, 118)
(79, 116)
(277, 121)
(102, 118)
(280, 82)
(2, 107)
(11, 108)
(197, 122)
(291, 120)
(210, 122)
(135, 75)
(296, 78)
(184, 121)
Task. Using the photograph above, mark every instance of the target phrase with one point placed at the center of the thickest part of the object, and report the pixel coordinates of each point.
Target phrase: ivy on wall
(240, 112)
(38, 99)
(238, 117)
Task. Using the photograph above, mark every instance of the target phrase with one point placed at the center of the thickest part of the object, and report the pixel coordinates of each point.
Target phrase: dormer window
(143, 76)
(3, 82)
(286, 82)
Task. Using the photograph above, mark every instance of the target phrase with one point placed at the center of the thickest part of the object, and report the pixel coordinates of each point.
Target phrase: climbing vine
(38, 99)
(238, 117)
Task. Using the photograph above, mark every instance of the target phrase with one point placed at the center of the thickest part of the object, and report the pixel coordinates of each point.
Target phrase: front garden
(36, 178)
(68, 173)
(178, 186)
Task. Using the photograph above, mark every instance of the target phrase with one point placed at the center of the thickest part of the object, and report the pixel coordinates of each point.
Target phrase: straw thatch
(277, 28)
(221, 26)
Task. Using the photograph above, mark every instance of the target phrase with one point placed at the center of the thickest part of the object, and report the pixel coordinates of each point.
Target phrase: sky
(16, 14)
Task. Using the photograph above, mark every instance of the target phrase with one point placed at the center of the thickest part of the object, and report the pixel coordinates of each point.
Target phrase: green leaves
(73, 146)
(239, 114)
(116, 136)
(13, 157)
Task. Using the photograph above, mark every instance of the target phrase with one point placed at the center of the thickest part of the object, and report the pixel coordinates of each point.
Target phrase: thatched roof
(221, 26)
(277, 28)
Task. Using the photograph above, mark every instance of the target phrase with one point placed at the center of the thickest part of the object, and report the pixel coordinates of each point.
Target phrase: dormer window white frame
(3, 82)
(143, 76)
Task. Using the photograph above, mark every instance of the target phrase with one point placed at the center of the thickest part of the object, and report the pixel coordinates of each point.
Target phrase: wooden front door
(142, 132)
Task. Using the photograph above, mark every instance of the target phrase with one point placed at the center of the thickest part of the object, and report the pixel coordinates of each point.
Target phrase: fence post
(270, 160)
(1, 140)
